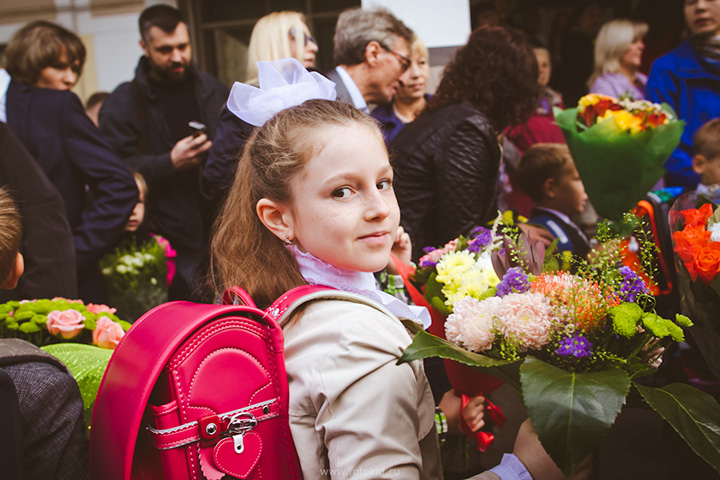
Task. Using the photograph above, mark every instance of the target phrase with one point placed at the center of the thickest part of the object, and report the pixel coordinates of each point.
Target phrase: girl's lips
(376, 238)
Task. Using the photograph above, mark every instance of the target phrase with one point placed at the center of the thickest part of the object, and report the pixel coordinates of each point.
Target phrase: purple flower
(576, 345)
(480, 238)
(631, 286)
(514, 281)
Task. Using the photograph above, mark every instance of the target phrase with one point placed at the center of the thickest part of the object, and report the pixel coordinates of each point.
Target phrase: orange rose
(697, 216)
(707, 262)
(692, 236)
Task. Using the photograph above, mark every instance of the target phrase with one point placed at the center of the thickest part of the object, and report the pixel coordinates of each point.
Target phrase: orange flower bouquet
(695, 221)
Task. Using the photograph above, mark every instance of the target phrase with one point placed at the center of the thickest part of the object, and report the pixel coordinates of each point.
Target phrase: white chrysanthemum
(471, 325)
(715, 229)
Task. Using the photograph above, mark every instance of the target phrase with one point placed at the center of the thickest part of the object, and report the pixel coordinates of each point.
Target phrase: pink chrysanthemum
(526, 319)
(471, 325)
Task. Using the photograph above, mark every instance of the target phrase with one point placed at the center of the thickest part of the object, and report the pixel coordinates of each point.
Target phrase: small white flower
(715, 229)
(153, 281)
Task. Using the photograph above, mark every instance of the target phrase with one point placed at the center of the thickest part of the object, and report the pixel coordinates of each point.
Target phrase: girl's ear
(15, 272)
(548, 188)
(277, 218)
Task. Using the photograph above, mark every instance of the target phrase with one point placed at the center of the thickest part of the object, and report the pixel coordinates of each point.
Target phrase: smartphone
(197, 128)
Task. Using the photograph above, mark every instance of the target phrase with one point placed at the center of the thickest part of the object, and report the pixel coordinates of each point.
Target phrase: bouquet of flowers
(571, 345)
(136, 276)
(81, 336)
(695, 222)
(619, 148)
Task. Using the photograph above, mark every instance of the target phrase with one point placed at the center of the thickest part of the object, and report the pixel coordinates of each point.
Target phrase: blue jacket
(686, 83)
(53, 127)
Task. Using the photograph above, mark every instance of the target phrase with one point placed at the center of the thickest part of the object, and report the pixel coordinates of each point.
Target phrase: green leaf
(695, 416)
(571, 412)
(438, 304)
(425, 345)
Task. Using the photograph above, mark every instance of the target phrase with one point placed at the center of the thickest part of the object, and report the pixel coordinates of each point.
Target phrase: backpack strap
(282, 309)
(133, 370)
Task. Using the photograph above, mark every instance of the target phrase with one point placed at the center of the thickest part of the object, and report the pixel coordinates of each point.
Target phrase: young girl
(313, 202)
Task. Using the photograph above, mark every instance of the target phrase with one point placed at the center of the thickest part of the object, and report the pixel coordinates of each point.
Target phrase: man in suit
(43, 62)
(372, 49)
(146, 120)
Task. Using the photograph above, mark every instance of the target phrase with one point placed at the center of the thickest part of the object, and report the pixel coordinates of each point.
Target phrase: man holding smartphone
(161, 124)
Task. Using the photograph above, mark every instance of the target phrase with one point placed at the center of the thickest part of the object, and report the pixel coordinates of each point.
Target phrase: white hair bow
(284, 83)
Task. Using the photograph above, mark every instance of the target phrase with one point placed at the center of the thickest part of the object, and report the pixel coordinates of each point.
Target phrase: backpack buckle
(238, 426)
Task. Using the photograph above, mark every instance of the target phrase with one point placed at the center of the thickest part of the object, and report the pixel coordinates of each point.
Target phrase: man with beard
(147, 121)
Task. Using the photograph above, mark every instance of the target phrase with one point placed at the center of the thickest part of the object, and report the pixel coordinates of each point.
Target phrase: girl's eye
(384, 184)
(343, 192)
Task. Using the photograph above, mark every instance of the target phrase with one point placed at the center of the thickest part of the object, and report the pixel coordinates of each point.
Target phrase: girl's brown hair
(38, 45)
(243, 251)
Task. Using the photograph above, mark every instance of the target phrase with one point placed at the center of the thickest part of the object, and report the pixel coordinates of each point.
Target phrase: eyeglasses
(405, 62)
(308, 38)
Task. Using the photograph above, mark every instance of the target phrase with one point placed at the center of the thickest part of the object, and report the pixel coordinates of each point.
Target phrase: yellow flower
(625, 120)
(452, 265)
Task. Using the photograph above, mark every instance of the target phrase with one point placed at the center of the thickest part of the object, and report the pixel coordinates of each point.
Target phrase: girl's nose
(377, 206)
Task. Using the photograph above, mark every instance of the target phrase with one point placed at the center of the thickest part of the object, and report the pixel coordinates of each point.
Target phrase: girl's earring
(287, 240)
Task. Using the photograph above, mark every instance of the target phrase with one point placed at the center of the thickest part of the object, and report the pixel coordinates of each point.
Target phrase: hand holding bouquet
(619, 148)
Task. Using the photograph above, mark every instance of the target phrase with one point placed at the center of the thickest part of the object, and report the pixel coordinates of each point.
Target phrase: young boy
(41, 410)
(548, 175)
(706, 161)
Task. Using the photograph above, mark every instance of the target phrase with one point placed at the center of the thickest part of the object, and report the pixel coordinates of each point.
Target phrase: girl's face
(632, 58)
(310, 47)
(138, 213)
(62, 75)
(344, 209)
(413, 83)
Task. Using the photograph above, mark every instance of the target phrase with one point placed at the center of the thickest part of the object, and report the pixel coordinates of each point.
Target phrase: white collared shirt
(357, 97)
(4, 84)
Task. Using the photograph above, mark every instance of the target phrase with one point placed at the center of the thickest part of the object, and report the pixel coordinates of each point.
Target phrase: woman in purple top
(618, 55)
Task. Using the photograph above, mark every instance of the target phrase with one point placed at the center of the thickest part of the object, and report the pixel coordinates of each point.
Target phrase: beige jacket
(354, 413)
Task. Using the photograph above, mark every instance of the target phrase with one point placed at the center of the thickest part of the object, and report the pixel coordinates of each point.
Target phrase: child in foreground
(706, 161)
(548, 174)
(49, 408)
(312, 202)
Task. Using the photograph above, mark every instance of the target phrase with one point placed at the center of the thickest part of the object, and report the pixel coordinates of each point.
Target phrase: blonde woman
(280, 35)
(618, 55)
(411, 97)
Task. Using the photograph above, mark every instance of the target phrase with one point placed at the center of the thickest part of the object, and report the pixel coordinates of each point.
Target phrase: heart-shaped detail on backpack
(238, 465)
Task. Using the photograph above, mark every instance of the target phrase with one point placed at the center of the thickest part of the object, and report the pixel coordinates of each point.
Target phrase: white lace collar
(319, 272)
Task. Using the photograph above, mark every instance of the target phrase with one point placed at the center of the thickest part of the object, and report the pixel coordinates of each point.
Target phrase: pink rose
(99, 308)
(69, 323)
(107, 334)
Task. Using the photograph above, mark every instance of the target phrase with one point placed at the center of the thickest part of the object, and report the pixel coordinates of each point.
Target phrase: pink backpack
(198, 391)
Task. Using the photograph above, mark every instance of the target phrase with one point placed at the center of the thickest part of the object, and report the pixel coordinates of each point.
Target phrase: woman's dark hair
(495, 72)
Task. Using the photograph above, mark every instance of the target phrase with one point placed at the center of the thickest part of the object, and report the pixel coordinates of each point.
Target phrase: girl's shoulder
(356, 321)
